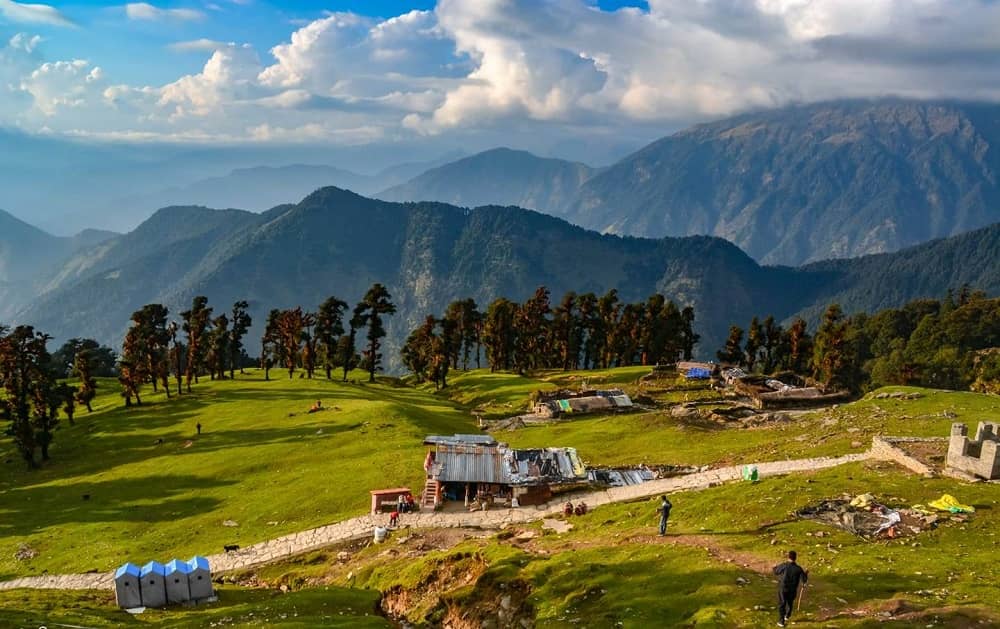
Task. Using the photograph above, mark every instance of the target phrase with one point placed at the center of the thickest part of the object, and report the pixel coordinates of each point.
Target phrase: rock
(283, 588)
(856, 444)
(505, 601)
(559, 526)
(229, 523)
(25, 552)
(742, 581)
(343, 555)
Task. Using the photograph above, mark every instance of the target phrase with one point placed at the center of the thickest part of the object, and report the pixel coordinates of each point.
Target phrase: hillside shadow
(28, 510)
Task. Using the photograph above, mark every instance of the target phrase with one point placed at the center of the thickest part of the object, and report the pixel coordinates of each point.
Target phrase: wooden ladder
(430, 494)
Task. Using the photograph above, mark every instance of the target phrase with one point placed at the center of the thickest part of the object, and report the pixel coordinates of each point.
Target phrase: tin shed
(154, 592)
(176, 576)
(200, 578)
(127, 586)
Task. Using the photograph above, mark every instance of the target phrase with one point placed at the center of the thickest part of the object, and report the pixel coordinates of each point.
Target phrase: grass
(157, 490)
(237, 607)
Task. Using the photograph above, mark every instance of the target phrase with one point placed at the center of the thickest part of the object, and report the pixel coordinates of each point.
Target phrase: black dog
(231, 548)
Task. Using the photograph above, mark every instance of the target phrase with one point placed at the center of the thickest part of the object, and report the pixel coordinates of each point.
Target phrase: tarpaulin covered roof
(176, 565)
(127, 568)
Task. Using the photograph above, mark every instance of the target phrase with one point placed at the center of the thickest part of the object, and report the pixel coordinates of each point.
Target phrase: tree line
(948, 344)
(579, 332)
(34, 392)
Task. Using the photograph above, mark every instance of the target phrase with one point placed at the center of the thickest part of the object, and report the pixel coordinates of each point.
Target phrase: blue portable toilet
(176, 577)
(127, 586)
(154, 591)
(200, 578)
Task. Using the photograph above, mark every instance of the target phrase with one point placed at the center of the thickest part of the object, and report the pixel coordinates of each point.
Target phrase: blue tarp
(698, 373)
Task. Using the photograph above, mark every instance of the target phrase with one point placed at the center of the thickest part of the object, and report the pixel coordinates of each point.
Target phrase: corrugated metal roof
(502, 466)
(154, 567)
(176, 565)
(127, 568)
(482, 440)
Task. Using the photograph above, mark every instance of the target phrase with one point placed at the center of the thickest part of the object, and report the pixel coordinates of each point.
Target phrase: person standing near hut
(790, 576)
(664, 511)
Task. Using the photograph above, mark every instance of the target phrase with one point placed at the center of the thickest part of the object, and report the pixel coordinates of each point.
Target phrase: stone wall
(979, 457)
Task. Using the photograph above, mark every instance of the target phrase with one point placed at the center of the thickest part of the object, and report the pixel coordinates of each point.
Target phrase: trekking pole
(802, 592)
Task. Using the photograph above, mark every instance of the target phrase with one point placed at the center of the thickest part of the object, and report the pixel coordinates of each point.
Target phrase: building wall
(980, 456)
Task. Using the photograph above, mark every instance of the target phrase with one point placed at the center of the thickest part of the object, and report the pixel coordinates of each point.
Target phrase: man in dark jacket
(790, 575)
(664, 511)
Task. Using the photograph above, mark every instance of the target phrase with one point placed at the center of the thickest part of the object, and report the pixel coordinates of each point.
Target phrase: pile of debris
(867, 518)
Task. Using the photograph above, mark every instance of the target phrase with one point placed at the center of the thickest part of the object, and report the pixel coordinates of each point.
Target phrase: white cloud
(551, 66)
(148, 12)
(62, 84)
(33, 13)
(198, 45)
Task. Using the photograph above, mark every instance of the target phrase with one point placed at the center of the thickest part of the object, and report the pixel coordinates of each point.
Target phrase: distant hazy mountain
(28, 255)
(812, 182)
(336, 242)
(497, 177)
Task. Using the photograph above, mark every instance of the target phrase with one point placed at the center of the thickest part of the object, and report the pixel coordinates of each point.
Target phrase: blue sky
(532, 73)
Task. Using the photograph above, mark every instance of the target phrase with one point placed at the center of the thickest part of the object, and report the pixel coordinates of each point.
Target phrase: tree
(153, 343)
(347, 353)
(308, 344)
(831, 359)
(291, 324)
(531, 326)
(177, 354)
(270, 343)
(732, 353)
(26, 379)
(218, 347)
(755, 343)
(773, 340)
(567, 333)
(688, 338)
(417, 351)
(799, 347)
(329, 329)
(132, 368)
(83, 370)
(499, 334)
(241, 322)
(102, 359)
(196, 325)
(375, 305)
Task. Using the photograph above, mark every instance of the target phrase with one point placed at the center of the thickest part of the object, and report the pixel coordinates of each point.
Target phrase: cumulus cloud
(556, 66)
(198, 45)
(147, 12)
(33, 13)
(62, 84)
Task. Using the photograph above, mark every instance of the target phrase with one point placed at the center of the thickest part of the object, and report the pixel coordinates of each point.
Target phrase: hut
(176, 576)
(200, 578)
(127, 586)
(153, 589)
(387, 499)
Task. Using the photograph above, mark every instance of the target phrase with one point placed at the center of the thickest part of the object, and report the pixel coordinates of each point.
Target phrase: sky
(357, 72)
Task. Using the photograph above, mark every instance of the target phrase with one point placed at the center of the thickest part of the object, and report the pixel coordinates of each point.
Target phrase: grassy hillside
(157, 490)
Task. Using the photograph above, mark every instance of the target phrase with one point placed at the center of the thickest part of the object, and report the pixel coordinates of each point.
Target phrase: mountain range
(335, 242)
(788, 186)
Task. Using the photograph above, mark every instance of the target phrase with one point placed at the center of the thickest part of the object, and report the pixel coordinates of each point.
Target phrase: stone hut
(127, 586)
(200, 579)
(177, 581)
(979, 457)
(154, 592)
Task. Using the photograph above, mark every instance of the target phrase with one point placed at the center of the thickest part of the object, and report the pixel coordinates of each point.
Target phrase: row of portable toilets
(157, 585)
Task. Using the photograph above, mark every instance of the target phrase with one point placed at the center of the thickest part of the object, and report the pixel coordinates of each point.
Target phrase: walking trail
(362, 526)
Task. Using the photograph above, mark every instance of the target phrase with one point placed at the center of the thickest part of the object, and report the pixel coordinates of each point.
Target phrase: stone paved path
(361, 527)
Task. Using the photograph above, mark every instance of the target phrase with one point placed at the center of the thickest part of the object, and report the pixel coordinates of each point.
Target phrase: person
(411, 504)
(568, 509)
(318, 406)
(664, 511)
(790, 575)
(394, 518)
(199, 427)
(401, 503)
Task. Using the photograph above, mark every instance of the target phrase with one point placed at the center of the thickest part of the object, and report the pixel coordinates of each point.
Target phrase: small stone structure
(127, 586)
(154, 590)
(979, 457)
(177, 581)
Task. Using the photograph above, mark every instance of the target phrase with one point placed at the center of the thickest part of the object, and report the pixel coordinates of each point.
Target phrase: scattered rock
(229, 523)
(343, 555)
(742, 581)
(559, 526)
(283, 588)
(505, 602)
(25, 552)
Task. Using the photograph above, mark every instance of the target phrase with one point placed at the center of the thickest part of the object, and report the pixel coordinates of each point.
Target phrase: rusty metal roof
(500, 465)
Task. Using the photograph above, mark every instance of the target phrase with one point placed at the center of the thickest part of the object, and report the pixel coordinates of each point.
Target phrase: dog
(231, 548)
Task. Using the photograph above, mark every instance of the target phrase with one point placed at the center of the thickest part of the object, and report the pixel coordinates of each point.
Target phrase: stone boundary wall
(884, 448)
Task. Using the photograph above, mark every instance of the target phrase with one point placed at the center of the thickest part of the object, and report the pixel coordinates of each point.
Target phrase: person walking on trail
(664, 511)
(790, 577)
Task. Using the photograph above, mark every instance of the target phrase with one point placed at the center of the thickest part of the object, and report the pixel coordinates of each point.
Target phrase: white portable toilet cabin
(176, 576)
(154, 591)
(127, 586)
(200, 578)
